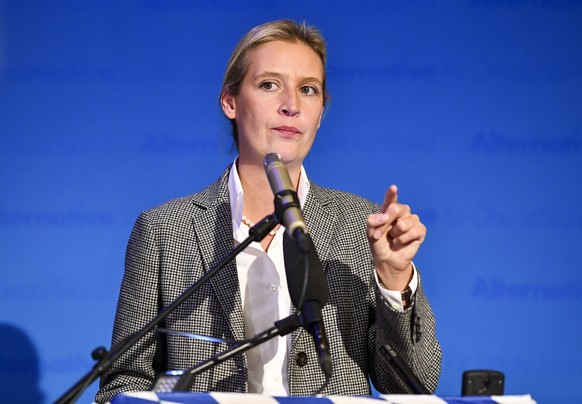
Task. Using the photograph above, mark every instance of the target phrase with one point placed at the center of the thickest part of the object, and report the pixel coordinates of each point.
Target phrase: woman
(274, 94)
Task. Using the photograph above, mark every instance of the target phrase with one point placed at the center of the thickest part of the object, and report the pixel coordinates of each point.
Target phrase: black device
(483, 383)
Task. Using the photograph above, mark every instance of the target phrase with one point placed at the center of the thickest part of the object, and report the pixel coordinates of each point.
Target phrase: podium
(148, 397)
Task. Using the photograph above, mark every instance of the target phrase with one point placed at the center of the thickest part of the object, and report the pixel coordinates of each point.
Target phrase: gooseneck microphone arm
(183, 380)
(256, 233)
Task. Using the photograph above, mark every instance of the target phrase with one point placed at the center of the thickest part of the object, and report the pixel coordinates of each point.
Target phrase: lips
(290, 130)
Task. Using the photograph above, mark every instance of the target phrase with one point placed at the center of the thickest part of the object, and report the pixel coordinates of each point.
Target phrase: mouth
(287, 130)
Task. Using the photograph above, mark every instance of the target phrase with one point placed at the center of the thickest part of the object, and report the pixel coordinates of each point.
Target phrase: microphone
(287, 206)
(305, 280)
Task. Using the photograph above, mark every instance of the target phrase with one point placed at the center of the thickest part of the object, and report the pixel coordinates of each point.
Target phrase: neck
(258, 196)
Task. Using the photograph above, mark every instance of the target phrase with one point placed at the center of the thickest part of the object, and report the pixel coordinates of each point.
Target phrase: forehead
(291, 58)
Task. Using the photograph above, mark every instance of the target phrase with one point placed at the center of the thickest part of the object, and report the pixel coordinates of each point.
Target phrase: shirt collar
(236, 193)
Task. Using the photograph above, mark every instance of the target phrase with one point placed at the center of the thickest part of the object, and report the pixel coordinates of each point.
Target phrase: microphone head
(287, 206)
(277, 173)
(270, 159)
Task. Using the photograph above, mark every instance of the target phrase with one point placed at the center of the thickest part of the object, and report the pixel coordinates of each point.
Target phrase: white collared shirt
(265, 296)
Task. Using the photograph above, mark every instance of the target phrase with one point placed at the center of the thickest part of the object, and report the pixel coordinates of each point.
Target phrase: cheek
(244, 118)
(255, 114)
(316, 121)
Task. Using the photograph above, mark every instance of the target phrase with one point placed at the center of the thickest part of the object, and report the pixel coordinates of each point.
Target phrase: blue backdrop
(472, 107)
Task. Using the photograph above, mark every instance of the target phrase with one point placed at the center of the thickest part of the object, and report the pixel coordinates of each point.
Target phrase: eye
(309, 90)
(268, 85)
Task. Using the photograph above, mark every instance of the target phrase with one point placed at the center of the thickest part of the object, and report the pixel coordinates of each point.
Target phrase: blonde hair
(282, 30)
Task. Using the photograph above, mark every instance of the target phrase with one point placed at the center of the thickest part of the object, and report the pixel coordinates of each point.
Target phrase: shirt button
(272, 288)
(301, 359)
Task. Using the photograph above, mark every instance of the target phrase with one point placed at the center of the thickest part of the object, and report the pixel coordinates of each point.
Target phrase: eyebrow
(279, 75)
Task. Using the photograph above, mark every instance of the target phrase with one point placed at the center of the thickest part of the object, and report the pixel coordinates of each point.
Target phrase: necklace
(250, 224)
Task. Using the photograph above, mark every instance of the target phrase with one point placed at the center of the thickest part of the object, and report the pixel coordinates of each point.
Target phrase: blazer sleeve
(412, 334)
(137, 305)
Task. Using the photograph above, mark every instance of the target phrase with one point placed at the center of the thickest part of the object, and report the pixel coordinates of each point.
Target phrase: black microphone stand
(256, 233)
(403, 371)
(174, 381)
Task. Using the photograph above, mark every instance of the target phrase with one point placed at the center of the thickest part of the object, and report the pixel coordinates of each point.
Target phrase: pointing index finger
(390, 197)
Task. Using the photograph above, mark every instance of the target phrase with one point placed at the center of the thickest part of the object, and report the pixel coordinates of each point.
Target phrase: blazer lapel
(213, 228)
(320, 219)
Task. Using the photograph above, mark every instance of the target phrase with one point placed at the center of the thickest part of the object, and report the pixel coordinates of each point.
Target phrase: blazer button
(301, 359)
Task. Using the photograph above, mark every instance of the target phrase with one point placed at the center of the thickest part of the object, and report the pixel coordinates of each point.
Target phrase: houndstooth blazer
(172, 245)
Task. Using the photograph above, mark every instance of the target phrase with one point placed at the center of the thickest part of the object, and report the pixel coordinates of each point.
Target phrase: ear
(228, 103)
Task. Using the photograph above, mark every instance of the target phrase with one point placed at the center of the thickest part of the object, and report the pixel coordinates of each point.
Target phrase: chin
(287, 156)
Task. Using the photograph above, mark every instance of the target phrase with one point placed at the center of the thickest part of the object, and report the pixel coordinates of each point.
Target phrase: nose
(290, 103)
